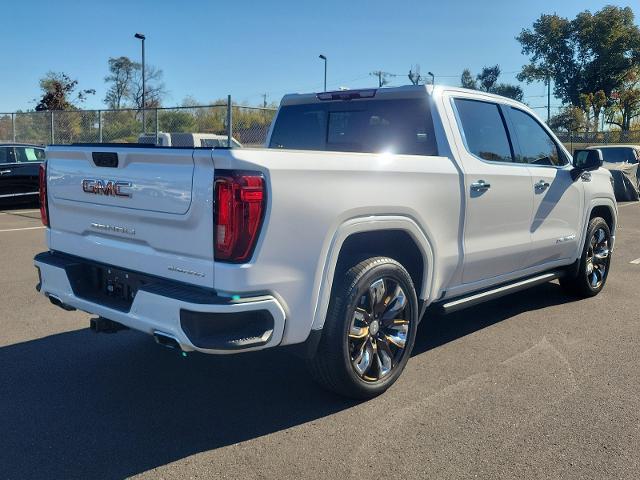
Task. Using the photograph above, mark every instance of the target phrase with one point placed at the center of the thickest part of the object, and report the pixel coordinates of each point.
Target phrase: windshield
(619, 155)
(371, 126)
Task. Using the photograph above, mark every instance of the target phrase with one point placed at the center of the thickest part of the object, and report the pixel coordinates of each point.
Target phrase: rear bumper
(196, 318)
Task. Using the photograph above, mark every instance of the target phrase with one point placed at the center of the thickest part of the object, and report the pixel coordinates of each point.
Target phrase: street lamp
(325, 70)
(140, 36)
(433, 78)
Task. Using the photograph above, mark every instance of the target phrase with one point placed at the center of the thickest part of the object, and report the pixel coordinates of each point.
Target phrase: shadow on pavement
(83, 405)
(15, 207)
(437, 330)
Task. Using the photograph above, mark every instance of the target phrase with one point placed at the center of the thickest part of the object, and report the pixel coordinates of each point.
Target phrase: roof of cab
(405, 91)
(386, 93)
(597, 147)
(18, 144)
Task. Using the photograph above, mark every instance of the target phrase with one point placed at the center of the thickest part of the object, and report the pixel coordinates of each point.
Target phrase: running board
(476, 298)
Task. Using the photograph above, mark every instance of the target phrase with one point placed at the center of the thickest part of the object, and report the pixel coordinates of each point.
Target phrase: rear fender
(367, 224)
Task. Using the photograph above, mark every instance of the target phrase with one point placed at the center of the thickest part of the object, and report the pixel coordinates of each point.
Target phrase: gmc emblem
(109, 188)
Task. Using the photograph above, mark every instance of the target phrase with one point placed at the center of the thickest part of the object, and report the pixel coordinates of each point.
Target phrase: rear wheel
(594, 262)
(369, 331)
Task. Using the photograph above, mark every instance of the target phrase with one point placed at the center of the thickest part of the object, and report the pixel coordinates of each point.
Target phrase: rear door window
(484, 130)
(29, 154)
(402, 126)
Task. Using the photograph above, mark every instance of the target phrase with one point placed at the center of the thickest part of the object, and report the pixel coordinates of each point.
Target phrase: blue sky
(208, 49)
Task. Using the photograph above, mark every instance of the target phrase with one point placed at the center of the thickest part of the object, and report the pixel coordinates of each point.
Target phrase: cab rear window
(370, 126)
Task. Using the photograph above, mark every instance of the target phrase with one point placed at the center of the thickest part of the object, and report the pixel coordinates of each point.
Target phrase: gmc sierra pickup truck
(366, 211)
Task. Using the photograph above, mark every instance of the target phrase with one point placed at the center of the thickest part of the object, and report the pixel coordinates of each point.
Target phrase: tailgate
(144, 209)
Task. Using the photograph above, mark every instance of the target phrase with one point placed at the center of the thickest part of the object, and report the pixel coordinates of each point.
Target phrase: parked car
(622, 162)
(19, 165)
(179, 139)
(368, 209)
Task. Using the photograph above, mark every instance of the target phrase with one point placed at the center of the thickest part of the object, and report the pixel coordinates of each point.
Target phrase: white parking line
(636, 261)
(627, 204)
(16, 212)
(19, 229)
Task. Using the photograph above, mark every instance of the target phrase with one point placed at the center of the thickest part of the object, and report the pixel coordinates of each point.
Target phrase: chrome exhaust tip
(166, 340)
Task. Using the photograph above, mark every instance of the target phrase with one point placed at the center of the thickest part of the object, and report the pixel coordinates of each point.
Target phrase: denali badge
(173, 268)
(110, 187)
(113, 228)
(568, 238)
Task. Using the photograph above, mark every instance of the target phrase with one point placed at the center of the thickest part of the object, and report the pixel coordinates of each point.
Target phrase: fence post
(13, 126)
(157, 128)
(571, 140)
(229, 119)
(52, 133)
(100, 126)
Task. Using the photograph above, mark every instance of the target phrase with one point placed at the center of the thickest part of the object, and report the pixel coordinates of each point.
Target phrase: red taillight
(44, 207)
(238, 210)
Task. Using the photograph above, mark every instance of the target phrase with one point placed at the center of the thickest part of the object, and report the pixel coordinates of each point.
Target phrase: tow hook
(104, 325)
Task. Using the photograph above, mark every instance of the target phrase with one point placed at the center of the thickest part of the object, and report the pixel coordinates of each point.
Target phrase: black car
(19, 165)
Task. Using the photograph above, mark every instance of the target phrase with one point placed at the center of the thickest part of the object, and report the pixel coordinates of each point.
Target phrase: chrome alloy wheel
(379, 329)
(598, 256)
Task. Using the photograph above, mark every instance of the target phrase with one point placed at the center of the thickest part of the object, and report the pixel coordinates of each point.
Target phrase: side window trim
(513, 133)
(501, 110)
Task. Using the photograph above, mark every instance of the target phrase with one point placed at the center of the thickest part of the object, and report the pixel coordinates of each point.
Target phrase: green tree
(508, 90)
(59, 92)
(467, 80)
(592, 105)
(586, 55)
(120, 80)
(569, 119)
(177, 121)
(624, 104)
(487, 80)
(488, 77)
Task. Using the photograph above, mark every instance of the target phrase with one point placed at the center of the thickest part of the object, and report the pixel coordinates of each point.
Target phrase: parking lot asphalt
(536, 385)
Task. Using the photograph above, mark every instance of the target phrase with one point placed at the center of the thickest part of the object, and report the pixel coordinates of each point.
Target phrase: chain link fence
(185, 126)
(249, 126)
(580, 139)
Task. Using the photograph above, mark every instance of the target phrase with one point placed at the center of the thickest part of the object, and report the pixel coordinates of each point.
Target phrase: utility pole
(415, 77)
(324, 57)
(548, 97)
(264, 100)
(382, 77)
(140, 36)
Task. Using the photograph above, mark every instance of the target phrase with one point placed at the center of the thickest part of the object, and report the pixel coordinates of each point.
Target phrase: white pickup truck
(367, 209)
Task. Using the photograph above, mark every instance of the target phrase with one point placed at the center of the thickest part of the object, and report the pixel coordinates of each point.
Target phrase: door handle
(2, 172)
(480, 186)
(541, 185)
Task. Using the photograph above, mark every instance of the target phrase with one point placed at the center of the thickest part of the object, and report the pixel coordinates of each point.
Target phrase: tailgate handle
(105, 159)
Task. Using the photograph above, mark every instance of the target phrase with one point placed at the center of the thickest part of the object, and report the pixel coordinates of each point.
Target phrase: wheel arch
(377, 233)
(606, 212)
(599, 206)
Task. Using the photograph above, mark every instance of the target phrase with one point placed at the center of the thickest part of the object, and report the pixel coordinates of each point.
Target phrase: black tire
(334, 366)
(594, 263)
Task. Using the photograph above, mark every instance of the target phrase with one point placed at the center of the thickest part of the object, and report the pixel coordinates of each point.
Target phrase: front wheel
(594, 262)
(369, 331)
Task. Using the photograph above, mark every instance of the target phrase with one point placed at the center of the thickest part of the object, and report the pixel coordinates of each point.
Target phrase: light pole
(325, 70)
(433, 78)
(140, 36)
